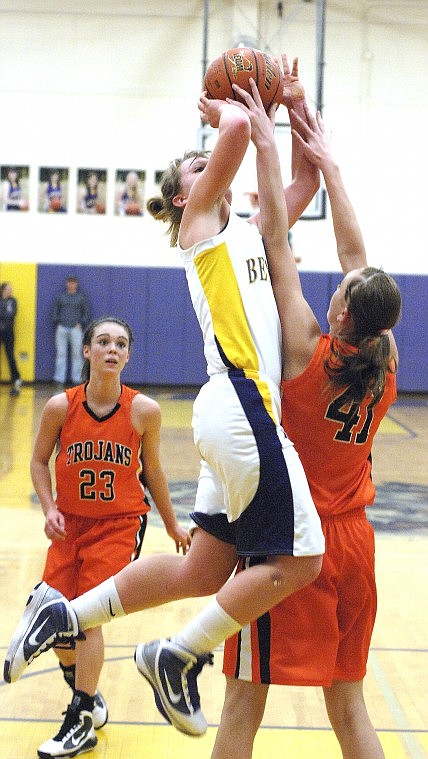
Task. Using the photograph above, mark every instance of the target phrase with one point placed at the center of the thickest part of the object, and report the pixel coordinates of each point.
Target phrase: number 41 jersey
(332, 435)
(98, 465)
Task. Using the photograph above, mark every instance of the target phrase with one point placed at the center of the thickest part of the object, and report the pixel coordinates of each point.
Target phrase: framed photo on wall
(91, 191)
(15, 188)
(53, 189)
(158, 179)
(129, 192)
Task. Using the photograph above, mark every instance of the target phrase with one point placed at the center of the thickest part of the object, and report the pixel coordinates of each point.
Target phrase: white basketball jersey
(231, 292)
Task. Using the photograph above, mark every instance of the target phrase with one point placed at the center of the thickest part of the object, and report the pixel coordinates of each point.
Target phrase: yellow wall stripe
(23, 278)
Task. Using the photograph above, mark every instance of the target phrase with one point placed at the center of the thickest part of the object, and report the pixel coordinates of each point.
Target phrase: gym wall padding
(168, 345)
(167, 348)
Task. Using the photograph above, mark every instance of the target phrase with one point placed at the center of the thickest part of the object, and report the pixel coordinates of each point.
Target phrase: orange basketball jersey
(98, 462)
(332, 435)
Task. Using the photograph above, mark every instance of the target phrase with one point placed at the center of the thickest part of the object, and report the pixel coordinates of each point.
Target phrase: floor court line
(408, 735)
(295, 724)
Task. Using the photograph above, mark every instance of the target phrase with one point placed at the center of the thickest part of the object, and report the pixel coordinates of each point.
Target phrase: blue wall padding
(411, 333)
(168, 344)
(167, 349)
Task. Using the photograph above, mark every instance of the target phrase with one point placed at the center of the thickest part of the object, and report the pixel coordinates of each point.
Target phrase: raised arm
(305, 175)
(300, 329)
(229, 149)
(349, 240)
(207, 203)
(315, 143)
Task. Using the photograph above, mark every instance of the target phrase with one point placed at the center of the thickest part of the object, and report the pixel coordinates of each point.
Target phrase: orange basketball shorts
(93, 550)
(321, 633)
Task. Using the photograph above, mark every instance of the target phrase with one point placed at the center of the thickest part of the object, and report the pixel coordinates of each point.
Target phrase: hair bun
(155, 206)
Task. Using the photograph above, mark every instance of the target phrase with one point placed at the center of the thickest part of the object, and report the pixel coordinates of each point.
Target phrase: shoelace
(61, 641)
(70, 723)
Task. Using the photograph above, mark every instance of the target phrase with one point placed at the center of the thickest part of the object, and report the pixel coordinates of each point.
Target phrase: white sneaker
(100, 711)
(77, 736)
(172, 670)
(48, 621)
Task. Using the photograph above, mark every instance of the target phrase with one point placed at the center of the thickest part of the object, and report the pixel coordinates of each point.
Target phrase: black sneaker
(76, 736)
(48, 621)
(171, 671)
(100, 711)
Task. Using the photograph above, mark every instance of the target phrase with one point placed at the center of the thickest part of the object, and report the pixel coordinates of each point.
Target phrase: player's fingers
(243, 94)
(271, 112)
(320, 121)
(285, 64)
(256, 94)
(247, 97)
(299, 123)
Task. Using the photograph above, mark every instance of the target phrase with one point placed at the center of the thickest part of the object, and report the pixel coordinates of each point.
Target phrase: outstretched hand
(210, 110)
(262, 123)
(312, 137)
(293, 91)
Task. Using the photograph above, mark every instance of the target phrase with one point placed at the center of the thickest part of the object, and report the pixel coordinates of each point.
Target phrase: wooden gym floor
(295, 723)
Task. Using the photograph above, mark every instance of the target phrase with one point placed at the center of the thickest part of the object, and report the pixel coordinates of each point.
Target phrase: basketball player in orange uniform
(107, 438)
(336, 389)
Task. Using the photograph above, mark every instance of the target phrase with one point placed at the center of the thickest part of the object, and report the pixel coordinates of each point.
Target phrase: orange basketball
(55, 204)
(100, 208)
(133, 209)
(237, 66)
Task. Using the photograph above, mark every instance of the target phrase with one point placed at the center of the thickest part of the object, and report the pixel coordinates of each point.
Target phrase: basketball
(238, 65)
(55, 204)
(100, 208)
(133, 209)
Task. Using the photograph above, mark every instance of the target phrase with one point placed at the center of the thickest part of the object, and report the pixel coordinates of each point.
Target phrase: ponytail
(374, 306)
(162, 207)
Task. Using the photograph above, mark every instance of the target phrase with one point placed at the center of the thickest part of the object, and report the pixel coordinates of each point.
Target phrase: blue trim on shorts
(215, 524)
(266, 527)
(264, 631)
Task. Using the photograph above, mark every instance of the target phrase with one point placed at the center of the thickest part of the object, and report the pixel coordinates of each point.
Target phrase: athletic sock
(98, 606)
(207, 630)
(82, 701)
(69, 674)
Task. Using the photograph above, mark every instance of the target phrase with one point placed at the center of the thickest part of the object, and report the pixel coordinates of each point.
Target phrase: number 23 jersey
(98, 467)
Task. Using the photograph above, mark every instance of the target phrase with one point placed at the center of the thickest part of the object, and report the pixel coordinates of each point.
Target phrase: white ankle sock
(98, 606)
(210, 628)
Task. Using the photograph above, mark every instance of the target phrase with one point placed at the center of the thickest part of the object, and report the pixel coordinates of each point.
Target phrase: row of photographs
(54, 191)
